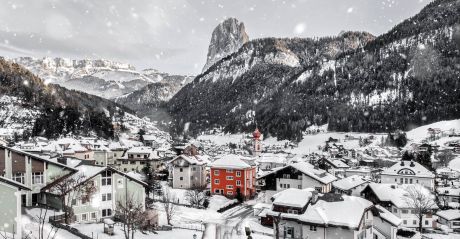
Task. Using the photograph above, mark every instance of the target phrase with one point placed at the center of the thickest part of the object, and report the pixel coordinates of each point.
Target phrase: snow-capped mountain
(154, 94)
(107, 79)
(226, 39)
(354, 82)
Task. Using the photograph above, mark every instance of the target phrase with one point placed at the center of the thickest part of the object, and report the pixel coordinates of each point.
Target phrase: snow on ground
(455, 163)
(421, 132)
(31, 226)
(96, 230)
(217, 202)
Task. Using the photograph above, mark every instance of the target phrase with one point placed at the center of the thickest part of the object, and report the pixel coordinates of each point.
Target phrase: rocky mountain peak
(226, 38)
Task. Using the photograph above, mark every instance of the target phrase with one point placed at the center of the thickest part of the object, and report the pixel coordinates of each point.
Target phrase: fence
(70, 229)
(228, 207)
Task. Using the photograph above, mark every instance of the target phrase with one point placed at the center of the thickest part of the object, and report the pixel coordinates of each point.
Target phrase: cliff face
(226, 39)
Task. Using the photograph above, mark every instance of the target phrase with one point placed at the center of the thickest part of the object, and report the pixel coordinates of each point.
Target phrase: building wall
(407, 179)
(10, 210)
(409, 218)
(121, 188)
(229, 186)
(192, 176)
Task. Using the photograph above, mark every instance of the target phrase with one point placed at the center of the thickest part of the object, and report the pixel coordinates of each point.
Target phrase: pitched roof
(292, 197)
(315, 173)
(13, 183)
(348, 212)
(450, 214)
(349, 182)
(398, 195)
(407, 168)
(231, 161)
(194, 160)
(309, 170)
(388, 216)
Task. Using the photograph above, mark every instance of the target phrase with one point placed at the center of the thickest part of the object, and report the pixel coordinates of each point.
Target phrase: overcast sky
(173, 36)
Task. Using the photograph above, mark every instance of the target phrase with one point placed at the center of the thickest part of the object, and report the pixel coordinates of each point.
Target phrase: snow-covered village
(221, 119)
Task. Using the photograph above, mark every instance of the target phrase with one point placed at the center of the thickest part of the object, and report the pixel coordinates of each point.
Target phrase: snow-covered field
(420, 133)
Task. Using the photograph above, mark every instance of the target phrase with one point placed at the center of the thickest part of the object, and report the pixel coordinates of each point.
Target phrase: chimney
(314, 197)
(412, 164)
(62, 160)
(402, 162)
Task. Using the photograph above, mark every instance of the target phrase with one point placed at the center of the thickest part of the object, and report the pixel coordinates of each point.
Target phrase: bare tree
(421, 201)
(72, 187)
(131, 214)
(276, 221)
(168, 204)
(195, 197)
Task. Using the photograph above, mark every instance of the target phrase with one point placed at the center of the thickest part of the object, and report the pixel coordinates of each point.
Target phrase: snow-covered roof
(315, 173)
(13, 183)
(450, 214)
(194, 160)
(398, 195)
(452, 190)
(140, 150)
(231, 161)
(388, 216)
(348, 212)
(408, 168)
(349, 182)
(339, 163)
(292, 197)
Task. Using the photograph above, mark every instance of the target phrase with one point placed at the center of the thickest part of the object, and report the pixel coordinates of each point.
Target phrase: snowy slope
(421, 132)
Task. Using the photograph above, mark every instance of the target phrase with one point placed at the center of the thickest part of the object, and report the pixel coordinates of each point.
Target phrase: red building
(231, 173)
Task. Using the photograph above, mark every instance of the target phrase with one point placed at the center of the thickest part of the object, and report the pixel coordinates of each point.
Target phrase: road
(230, 228)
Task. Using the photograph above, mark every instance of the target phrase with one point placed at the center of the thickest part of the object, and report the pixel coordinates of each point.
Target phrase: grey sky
(173, 36)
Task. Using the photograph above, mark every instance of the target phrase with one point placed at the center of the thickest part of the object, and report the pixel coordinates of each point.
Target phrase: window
(401, 180)
(181, 178)
(74, 202)
(396, 180)
(181, 170)
(106, 212)
(106, 178)
(216, 172)
(93, 215)
(37, 178)
(414, 222)
(230, 193)
(18, 177)
(299, 186)
(217, 181)
(193, 168)
(216, 191)
(426, 222)
(395, 210)
(84, 217)
(406, 181)
(229, 170)
(238, 183)
(405, 222)
(287, 176)
(404, 211)
(229, 177)
(229, 186)
(410, 181)
(106, 197)
(289, 232)
(313, 228)
(238, 173)
(293, 211)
